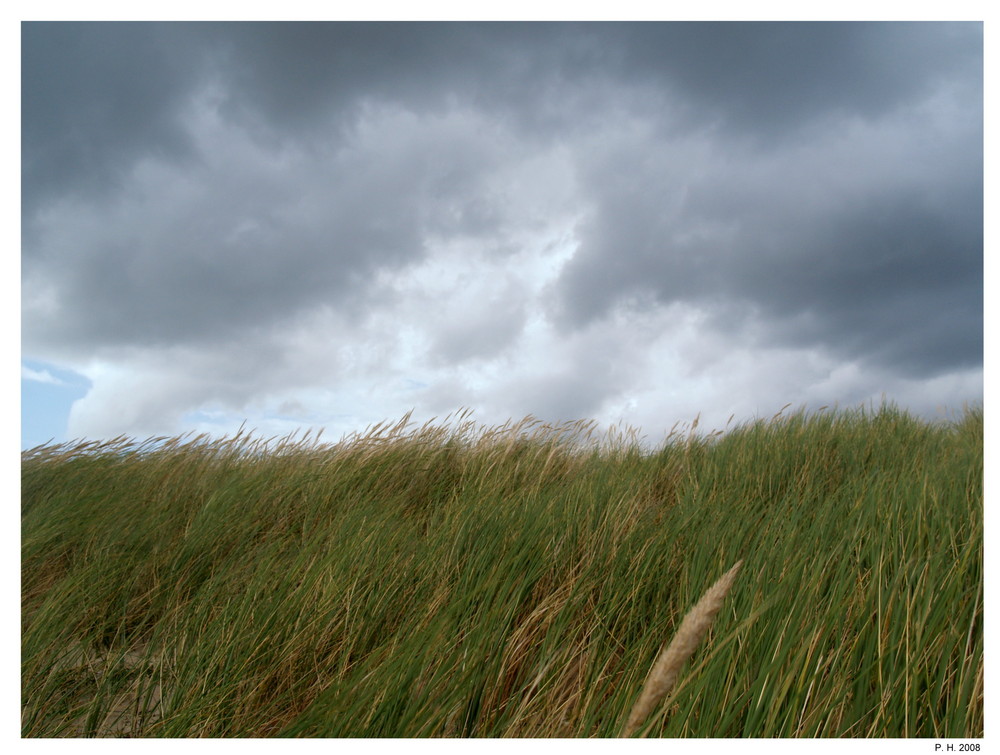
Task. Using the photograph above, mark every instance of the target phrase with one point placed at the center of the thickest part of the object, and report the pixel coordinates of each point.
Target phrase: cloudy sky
(331, 224)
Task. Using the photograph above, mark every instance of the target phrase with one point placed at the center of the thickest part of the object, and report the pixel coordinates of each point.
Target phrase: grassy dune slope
(518, 581)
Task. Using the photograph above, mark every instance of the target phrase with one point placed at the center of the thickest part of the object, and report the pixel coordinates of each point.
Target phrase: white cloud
(39, 376)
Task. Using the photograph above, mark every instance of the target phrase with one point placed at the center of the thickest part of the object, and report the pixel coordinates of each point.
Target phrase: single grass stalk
(663, 675)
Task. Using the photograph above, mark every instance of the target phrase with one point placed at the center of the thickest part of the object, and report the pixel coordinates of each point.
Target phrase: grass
(459, 581)
(691, 632)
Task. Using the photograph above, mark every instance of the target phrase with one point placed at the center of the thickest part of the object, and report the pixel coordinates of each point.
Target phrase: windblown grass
(663, 675)
(453, 580)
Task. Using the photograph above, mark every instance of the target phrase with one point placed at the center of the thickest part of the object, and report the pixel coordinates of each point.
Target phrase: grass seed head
(663, 675)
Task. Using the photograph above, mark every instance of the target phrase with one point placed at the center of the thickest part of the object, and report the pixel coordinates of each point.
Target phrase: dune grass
(519, 581)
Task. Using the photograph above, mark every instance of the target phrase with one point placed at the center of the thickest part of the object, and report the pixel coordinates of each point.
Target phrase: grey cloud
(580, 374)
(768, 79)
(891, 280)
(96, 97)
(298, 75)
(486, 332)
(764, 79)
(814, 186)
(247, 238)
(229, 257)
(559, 396)
(866, 240)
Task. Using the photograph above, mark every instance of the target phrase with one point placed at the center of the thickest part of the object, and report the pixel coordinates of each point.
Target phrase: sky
(327, 225)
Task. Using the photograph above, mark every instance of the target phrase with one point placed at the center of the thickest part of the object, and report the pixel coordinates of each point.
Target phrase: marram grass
(458, 581)
(663, 675)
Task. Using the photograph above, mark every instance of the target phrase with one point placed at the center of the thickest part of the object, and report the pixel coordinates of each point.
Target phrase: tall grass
(453, 580)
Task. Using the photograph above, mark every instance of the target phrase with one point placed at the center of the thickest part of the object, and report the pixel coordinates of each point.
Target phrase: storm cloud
(329, 224)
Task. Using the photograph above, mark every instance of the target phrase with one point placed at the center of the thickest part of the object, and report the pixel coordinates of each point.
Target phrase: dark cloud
(880, 281)
(866, 239)
(296, 76)
(245, 238)
(96, 95)
(760, 79)
(765, 80)
(196, 189)
(95, 98)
